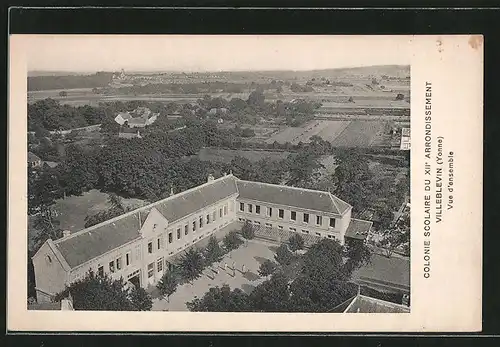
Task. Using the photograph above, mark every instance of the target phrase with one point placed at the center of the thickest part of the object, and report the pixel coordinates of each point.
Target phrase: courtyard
(251, 255)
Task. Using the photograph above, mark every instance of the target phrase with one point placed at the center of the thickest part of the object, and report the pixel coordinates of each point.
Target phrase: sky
(190, 53)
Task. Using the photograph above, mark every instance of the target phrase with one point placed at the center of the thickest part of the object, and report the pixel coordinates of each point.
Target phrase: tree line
(99, 79)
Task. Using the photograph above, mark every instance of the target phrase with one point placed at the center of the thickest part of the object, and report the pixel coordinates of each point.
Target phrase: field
(359, 134)
(341, 133)
(226, 155)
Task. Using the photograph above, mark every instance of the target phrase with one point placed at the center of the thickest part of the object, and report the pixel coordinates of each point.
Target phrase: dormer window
(49, 259)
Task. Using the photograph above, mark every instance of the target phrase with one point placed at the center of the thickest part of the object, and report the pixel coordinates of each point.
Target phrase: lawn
(72, 210)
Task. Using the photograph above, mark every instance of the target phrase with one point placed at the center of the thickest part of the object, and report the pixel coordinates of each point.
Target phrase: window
(159, 265)
(250, 208)
(119, 263)
(331, 237)
(257, 209)
(111, 266)
(319, 220)
(305, 231)
(220, 212)
(194, 226)
(293, 215)
(306, 217)
(318, 234)
(170, 238)
(270, 211)
(293, 229)
(178, 233)
(201, 222)
(280, 227)
(151, 269)
(225, 210)
(256, 223)
(186, 229)
(208, 219)
(138, 252)
(241, 219)
(332, 222)
(242, 207)
(158, 243)
(214, 216)
(150, 247)
(281, 213)
(127, 259)
(269, 225)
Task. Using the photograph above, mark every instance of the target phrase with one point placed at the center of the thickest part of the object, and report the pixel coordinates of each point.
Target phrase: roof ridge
(334, 198)
(285, 186)
(140, 209)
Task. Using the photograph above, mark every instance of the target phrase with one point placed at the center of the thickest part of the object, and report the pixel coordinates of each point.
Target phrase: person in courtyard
(243, 269)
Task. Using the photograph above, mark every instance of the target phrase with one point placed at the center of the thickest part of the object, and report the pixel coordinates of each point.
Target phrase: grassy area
(72, 210)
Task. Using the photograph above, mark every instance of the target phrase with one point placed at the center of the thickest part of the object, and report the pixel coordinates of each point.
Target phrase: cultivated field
(226, 155)
(359, 133)
(341, 133)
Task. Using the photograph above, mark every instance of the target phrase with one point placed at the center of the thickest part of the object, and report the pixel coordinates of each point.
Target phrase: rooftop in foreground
(366, 304)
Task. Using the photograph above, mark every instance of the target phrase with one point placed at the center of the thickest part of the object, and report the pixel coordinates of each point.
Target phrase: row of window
(280, 227)
(195, 225)
(281, 214)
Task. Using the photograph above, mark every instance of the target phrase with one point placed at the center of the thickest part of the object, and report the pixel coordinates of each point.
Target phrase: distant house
(50, 164)
(34, 161)
(405, 139)
(129, 135)
(214, 111)
(137, 122)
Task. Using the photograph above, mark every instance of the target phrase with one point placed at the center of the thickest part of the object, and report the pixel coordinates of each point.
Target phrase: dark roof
(358, 229)
(365, 304)
(92, 242)
(290, 196)
(33, 157)
(45, 306)
(191, 201)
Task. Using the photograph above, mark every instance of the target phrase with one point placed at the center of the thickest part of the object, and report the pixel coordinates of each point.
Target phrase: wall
(156, 229)
(322, 230)
(50, 276)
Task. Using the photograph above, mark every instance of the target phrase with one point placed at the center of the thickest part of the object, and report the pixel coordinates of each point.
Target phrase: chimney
(406, 300)
(66, 233)
(171, 191)
(210, 178)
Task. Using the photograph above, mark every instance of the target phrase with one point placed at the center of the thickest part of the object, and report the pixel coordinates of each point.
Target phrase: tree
(116, 201)
(247, 231)
(191, 264)
(221, 300)
(358, 254)
(391, 240)
(296, 242)
(140, 299)
(167, 284)
(101, 293)
(267, 268)
(283, 255)
(46, 226)
(63, 93)
(213, 253)
(272, 295)
(400, 96)
(232, 241)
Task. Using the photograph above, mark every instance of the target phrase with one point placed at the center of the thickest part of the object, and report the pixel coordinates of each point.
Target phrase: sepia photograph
(193, 183)
(190, 183)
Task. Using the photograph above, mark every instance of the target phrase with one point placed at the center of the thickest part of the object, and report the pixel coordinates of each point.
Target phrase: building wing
(291, 196)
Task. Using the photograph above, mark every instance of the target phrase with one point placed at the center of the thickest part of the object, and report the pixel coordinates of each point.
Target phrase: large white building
(140, 245)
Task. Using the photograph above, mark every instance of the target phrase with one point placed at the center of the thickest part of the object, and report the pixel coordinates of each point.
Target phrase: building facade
(141, 245)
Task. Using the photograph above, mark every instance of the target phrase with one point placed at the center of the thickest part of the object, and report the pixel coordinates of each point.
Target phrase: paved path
(251, 255)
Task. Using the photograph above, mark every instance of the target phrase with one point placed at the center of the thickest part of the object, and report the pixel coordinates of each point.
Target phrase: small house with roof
(34, 161)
